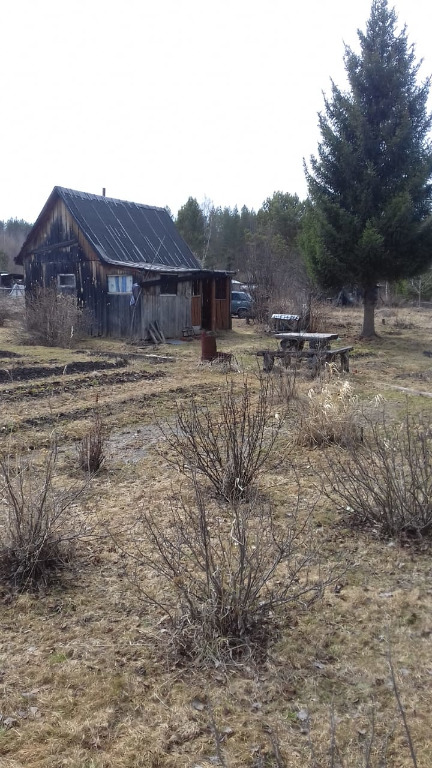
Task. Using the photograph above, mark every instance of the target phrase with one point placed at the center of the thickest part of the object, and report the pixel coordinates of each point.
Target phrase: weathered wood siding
(172, 313)
(196, 310)
(59, 247)
(209, 311)
(221, 321)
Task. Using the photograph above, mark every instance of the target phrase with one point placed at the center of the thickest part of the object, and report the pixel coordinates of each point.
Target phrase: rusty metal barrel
(208, 346)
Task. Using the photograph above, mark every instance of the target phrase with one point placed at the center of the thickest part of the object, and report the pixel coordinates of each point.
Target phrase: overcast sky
(159, 100)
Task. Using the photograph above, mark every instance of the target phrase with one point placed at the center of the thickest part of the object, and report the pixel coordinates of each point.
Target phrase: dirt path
(408, 390)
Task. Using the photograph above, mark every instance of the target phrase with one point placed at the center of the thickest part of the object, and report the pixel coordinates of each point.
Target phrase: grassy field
(86, 677)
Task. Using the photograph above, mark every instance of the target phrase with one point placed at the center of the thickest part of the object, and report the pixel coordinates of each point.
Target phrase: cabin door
(207, 304)
(196, 303)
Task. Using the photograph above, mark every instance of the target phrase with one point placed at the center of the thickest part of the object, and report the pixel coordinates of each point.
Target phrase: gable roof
(122, 232)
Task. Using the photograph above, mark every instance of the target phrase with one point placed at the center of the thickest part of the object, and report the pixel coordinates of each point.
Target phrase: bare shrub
(284, 384)
(317, 317)
(331, 414)
(404, 325)
(54, 319)
(40, 525)
(221, 573)
(229, 439)
(91, 450)
(386, 482)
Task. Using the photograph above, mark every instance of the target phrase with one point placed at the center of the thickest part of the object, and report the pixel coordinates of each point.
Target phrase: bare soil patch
(7, 354)
(32, 372)
(65, 384)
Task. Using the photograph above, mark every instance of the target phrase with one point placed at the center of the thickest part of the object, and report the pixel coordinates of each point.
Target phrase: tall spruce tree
(190, 223)
(370, 192)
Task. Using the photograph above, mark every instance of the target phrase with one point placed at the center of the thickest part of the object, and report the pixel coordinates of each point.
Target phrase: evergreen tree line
(262, 247)
(13, 232)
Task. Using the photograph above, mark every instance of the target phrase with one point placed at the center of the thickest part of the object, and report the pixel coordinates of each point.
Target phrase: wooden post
(213, 305)
(268, 362)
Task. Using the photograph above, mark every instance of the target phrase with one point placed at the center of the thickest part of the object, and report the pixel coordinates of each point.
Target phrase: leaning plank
(153, 334)
(159, 330)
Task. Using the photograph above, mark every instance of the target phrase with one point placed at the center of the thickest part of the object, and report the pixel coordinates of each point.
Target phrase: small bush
(91, 450)
(228, 439)
(386, 483)
(331, 414)
(39, 523)
(54, 319)
(220, 574)
(284, 385)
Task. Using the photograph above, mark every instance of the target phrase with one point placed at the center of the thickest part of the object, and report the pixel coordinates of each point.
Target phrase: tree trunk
(369, 304)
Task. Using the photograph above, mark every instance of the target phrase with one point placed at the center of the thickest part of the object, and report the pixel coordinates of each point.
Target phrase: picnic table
(319, 350)
(297, 340)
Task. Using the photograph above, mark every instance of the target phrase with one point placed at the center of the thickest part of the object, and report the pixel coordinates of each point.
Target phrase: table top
(285, 317)
(307, 336)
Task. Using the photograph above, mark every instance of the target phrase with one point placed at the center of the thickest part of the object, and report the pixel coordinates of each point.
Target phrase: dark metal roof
(126, 233)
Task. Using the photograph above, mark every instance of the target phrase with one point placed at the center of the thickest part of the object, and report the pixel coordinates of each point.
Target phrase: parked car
(241, 303)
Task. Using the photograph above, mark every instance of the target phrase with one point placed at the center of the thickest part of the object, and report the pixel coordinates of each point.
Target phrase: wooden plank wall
(196, 310)
(68, 252)
(172, 313)
(222, 315)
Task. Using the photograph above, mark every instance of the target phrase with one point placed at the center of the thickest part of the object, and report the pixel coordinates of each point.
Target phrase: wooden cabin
(126, 263)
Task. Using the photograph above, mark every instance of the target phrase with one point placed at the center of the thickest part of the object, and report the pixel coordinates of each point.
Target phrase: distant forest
(262, 246)
(12, 235)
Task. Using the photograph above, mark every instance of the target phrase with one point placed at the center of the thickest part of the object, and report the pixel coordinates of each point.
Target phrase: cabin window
(66, 281)
(196, 288)
(120, 283)
(168, 286)
(221, 288)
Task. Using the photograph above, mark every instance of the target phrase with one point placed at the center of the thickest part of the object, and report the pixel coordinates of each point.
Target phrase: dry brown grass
(330, 415)
(333, 414)
(83, 675)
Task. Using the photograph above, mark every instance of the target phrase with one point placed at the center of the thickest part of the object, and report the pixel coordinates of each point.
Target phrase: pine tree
(370, 192)
(190, 223)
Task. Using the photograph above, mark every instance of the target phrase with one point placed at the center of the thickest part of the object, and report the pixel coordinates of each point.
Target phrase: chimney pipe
(103, 192)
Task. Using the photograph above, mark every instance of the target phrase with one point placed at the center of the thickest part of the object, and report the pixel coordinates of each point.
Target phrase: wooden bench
(317, 357)
(270, 356)
(330, 356)
(321, 356)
